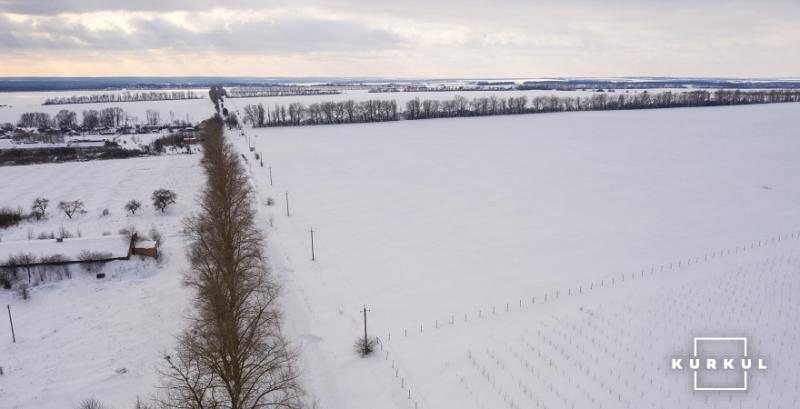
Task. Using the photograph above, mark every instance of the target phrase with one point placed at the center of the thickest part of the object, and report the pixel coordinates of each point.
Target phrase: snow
(145, 244)
(86, 144)
(428, 221)
(83, 337)
(195, 110)
(117, 246)
(552, 260)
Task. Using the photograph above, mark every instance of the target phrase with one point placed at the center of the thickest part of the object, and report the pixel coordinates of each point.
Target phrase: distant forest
(350, 111)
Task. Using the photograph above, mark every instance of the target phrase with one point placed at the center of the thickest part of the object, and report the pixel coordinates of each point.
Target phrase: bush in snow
(132, 206)
(71, 208)
(39, 208)
(364, 347)
(9, 272)
(5, 280)
(91, 403)
(106, 212)
(163, 198)
(44, 236)
(6, 277)
(270, 201)
(10, 217)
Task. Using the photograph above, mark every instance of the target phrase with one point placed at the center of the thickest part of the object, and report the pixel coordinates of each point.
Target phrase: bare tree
(66, 119)
(133, 205)
(112, 117)
(26, 261)
(153, 117)
(39, 208)
(35, 120)
(163, 198)
(91, 119)
(70, 208)
(233, 354)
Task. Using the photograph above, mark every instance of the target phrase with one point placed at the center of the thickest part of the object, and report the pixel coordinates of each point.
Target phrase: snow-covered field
(196, 110)
(540, 260)
(536, 261)
(13, 104)
(82, 337)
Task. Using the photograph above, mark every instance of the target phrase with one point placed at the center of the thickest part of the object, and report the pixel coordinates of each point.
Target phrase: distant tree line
(460, 106)
(387, 110)
(123, 97)
(440, 88)
(110, 117)
(584, 84)
(278, 91)
(330, 112)
(65, 119)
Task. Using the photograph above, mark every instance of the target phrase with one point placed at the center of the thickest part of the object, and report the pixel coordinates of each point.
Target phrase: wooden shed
(146, 248)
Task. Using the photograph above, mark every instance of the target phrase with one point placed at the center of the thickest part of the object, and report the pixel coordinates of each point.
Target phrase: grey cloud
(51, 7)
(455, 8)
(286, 35)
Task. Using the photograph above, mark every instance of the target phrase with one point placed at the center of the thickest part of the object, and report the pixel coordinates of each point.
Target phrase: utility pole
(366, 340)
(313, 257)
(287, 204)
(14, 337)
(270, 175)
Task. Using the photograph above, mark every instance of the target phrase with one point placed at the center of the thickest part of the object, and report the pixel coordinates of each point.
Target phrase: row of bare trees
(333, 112)
(460, 106)
(110, 117)
(126, 96)
(329, 112)
(278, 91)
(233, 354)
(65, 119)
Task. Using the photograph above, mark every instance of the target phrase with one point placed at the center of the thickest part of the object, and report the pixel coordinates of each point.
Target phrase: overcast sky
(401, 38)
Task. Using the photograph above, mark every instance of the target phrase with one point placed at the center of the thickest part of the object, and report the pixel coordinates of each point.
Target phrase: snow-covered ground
(539, 260)
(553, 260)
(195, 110)
(82, 337)
(13, 104)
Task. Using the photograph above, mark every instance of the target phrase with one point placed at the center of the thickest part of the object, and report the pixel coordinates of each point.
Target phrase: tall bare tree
(233, 355)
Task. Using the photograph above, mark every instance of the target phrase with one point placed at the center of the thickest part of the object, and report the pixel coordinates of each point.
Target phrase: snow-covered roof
(145, 244)
(117, 246)
(86, 144)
